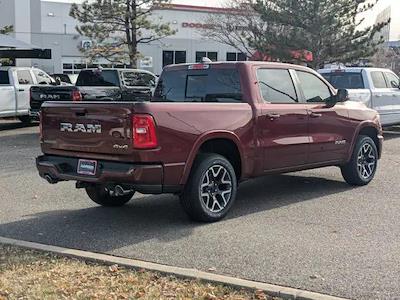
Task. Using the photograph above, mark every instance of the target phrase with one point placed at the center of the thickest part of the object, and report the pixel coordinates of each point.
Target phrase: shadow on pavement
(159, 216)
(391, 134)
(15, 124)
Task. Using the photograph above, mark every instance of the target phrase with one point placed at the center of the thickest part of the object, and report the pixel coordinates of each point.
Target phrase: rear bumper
(144, 178)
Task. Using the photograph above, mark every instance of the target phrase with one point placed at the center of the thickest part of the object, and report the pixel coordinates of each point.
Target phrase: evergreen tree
(6, 29)
(118, 26)
(330, 29)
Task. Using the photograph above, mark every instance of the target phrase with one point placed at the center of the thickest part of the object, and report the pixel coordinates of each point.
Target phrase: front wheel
(104, 196)
(211, 189)
(361, 169)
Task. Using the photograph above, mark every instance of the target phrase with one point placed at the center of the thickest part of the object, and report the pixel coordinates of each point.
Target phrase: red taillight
(198, 67)
(144, 132)
(76, 95)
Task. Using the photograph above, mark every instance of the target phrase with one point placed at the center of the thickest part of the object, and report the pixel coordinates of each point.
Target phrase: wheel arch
(214, 138)
(370, 129)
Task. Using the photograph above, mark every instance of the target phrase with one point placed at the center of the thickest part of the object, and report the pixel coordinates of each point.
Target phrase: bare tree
(387, 57)
(235, 26)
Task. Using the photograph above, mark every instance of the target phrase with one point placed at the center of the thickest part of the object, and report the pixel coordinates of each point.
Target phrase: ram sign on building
(48, 25)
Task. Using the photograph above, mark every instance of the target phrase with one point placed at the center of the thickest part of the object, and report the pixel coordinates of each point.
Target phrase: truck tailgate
(95, 127)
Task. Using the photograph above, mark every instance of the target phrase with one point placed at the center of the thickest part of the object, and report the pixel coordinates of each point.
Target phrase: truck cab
(15, 84)
(377, 88)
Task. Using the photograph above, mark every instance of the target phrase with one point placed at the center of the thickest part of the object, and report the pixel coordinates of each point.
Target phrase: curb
(269, 289)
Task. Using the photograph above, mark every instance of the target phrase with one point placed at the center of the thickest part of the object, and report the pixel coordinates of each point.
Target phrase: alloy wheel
(216, 188)
(366, 161)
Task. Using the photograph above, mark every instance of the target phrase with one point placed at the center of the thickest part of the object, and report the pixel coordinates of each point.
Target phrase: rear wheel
(360, 170)
(104, 196)
(25, 119)
(211, 189)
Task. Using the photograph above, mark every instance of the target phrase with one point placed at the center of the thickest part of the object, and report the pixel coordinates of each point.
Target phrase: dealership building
(48, 25)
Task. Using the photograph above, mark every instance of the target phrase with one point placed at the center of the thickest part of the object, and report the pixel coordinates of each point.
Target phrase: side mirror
(342, 95)
(395, 84)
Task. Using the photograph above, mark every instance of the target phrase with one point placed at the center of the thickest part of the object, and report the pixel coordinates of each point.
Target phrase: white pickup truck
(379, 89)
(15, 83)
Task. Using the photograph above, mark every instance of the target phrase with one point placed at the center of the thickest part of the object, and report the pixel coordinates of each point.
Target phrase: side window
(24, 77)
(314, 89)
(138, 79)
(276, 86)
(378, 80)
(393, 80)
(42, 77)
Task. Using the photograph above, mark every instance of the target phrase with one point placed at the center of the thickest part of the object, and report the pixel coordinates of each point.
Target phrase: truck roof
(118, 69)
(6, 68)
(352, 69)
(247, 63)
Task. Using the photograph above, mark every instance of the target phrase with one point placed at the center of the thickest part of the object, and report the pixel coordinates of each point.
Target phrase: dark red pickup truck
(208, 127)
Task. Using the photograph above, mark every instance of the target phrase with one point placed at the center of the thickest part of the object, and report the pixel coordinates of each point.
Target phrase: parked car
(208, 127)
(98, 85)
(65, 78)
(378, 89)
(15, 83)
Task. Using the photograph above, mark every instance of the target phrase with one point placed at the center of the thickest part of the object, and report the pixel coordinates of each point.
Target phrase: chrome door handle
(273, 116)
(315, 115)
(21, 90)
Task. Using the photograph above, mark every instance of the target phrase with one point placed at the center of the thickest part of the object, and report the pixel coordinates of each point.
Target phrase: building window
(173, 57)
(235, 56)
(211, 55)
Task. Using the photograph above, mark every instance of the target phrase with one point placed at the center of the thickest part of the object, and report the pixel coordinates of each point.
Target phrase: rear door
(383, 99)
(7, 95)
(282, 125)
(329, 128)
(24, 81)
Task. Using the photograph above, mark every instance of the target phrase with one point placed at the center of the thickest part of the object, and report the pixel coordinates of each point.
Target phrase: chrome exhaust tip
(50, 179)
(120, 191)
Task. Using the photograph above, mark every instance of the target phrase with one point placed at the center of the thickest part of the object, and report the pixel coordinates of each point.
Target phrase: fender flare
(221, 134)
(360, 127)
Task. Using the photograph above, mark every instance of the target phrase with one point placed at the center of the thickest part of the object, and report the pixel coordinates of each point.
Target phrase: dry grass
(27, 274)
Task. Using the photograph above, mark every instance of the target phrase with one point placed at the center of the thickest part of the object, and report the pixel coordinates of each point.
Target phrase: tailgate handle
(80, 112)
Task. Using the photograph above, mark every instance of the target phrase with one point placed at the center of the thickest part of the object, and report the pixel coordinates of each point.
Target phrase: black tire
(25, 119)
(100, 195)
(353, 172)
(217, 190)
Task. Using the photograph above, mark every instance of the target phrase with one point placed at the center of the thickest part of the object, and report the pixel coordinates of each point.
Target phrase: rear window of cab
(208, 84)
(4, 77)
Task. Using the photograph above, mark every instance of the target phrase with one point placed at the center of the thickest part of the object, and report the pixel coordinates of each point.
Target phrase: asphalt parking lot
(306, 230)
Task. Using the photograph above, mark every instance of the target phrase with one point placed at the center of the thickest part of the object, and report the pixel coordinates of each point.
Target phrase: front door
(23, 84)
(330, 129)
(393, 96)
(384, 98)
(282, 125)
